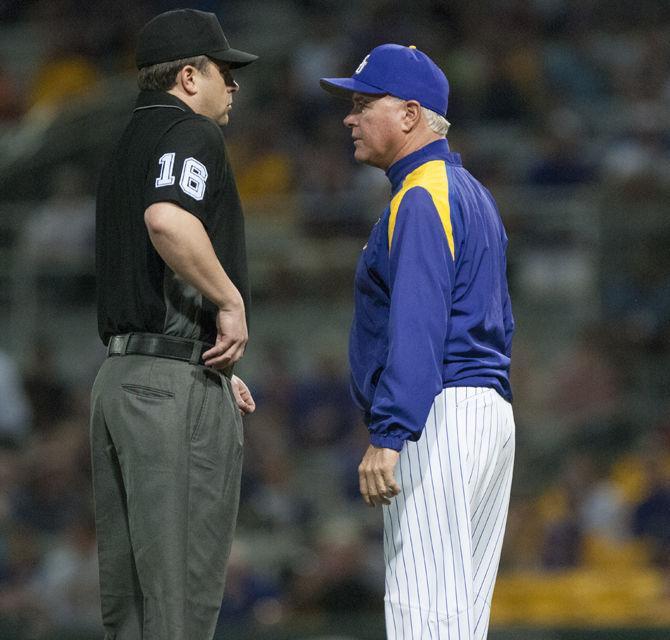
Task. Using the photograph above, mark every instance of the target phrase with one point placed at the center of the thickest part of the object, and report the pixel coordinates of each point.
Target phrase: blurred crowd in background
(561, 107)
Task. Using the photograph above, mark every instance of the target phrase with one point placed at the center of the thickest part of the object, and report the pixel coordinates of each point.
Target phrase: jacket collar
(438, 150)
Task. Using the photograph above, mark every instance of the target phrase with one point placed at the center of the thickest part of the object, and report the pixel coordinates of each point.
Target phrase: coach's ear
(412, 115)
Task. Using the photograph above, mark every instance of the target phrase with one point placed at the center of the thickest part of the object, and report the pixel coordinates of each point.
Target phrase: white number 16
(193, 175)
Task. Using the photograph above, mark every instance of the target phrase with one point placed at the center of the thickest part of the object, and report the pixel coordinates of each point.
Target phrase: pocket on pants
(479, 397)
(202, 383)
(147, 392)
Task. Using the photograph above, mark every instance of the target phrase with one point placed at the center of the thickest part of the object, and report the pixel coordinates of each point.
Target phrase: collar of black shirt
(154, 99)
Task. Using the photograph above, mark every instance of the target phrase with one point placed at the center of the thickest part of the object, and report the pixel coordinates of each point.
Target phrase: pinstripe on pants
(443, 533)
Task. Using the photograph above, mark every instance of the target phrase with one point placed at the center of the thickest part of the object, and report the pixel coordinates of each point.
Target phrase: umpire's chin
(224, 117)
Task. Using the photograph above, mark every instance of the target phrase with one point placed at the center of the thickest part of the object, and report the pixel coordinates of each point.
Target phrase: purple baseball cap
(403, 72)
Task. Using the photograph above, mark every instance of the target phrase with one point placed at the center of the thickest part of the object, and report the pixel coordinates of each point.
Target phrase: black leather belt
(155, 344)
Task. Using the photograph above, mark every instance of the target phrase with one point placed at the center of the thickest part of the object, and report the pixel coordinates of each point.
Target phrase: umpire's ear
(412, 115)
(186, 79)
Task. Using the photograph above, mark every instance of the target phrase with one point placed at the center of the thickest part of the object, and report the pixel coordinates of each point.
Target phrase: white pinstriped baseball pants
(443, 533)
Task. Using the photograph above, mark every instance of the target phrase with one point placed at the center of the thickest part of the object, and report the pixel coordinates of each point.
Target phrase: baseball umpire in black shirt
(166, 426)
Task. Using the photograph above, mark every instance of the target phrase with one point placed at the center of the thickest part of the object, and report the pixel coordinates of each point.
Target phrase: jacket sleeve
(421, 282)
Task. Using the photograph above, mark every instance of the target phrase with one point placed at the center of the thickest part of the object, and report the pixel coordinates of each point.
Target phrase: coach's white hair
(437, 123)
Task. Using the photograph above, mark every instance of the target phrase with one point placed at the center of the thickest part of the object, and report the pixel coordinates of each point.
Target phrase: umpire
(166, 427)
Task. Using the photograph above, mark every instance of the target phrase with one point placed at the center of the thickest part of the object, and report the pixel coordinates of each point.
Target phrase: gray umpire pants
(166, 441)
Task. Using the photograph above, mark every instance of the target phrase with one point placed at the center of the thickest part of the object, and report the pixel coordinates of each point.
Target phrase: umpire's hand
(243, 398)
(375, 476)
(231, 338)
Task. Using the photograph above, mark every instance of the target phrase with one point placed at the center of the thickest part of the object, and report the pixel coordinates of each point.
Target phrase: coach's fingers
(392, 488)
(363, 486)
(375, 484)
(372, 472)
(382, 489)
(366, 480)
(378, 498)
(373, 492)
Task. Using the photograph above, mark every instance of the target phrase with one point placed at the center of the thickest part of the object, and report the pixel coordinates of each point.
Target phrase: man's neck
(183, 96)
(417, 140)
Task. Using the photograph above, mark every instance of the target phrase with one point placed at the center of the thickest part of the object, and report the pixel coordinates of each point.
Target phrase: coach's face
(376, 128)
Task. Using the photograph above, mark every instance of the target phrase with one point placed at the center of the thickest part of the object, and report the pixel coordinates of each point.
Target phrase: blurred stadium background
(561, 107)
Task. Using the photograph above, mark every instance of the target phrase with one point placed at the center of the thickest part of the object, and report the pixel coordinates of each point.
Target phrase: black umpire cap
(185, 33)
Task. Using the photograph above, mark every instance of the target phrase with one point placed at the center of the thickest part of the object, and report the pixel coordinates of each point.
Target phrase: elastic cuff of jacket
(387, 442)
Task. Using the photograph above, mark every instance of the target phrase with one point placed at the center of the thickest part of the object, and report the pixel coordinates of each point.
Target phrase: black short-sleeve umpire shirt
(167, 153)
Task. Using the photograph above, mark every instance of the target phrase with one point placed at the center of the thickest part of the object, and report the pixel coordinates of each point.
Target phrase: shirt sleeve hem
(186, 206)
(387, 442)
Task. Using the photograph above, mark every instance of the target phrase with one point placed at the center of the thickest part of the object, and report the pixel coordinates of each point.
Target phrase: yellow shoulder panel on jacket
(432, 176)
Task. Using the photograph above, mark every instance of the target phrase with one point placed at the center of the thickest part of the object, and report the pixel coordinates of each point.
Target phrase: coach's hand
(231, 338)
(375, 475)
